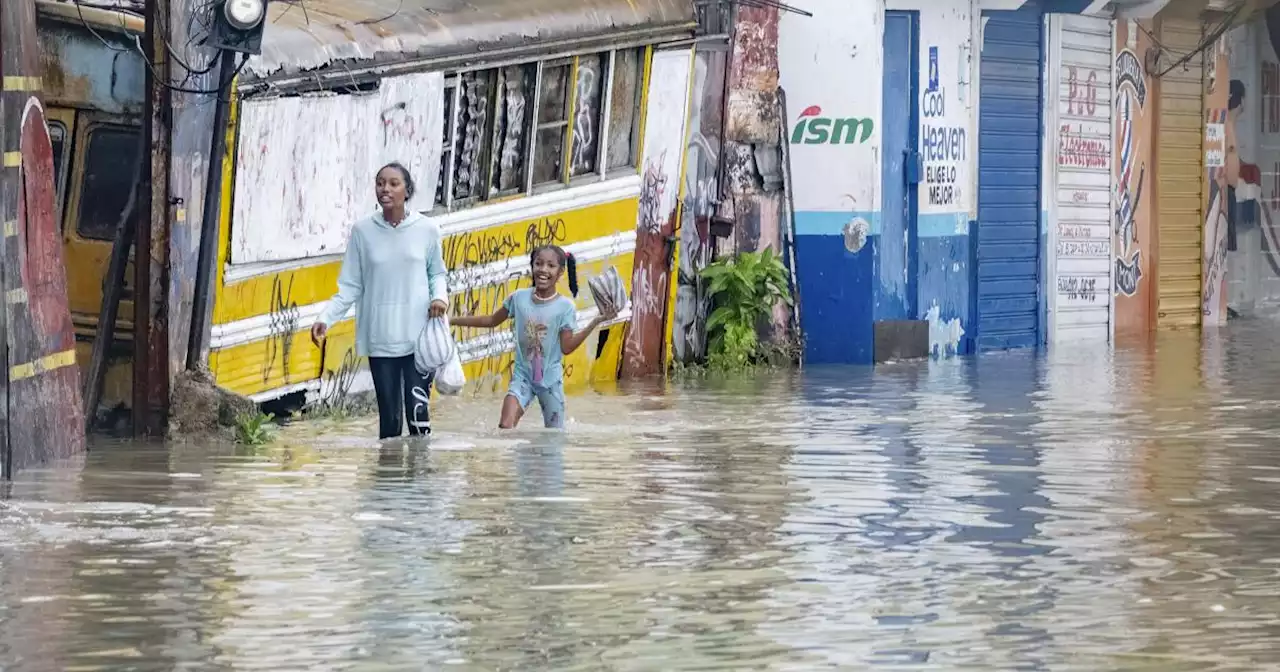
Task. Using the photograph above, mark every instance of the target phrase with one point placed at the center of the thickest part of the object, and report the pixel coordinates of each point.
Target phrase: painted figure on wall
(1251, 176)
(1132, 217)
(1243, 179)
(1218, 144)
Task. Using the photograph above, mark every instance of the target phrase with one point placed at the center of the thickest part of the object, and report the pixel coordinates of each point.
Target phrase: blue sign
(933, 69)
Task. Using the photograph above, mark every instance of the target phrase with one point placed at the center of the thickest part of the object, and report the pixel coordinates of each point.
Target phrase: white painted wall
(306, 165)
(948, 193)
(831, 67)
(1077, 150)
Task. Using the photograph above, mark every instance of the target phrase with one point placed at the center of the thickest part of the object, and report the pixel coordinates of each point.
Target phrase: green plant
(744, 288)
(254, 429)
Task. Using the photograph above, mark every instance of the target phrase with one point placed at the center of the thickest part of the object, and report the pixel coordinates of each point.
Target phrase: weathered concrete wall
(752, 154)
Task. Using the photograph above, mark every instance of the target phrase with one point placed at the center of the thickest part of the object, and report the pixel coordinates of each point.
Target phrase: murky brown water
(1082, 510)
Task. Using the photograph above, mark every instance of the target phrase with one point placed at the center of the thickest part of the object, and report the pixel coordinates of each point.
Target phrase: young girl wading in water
(545, 333)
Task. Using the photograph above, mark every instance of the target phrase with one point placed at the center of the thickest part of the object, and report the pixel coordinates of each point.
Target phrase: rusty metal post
(202, 305)
(151, 298)
(40, 379)
(8, 213)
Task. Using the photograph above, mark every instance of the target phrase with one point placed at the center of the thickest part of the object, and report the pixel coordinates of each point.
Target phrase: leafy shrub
(744, 288)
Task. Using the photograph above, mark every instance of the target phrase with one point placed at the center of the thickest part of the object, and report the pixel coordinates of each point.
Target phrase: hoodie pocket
(392, 324)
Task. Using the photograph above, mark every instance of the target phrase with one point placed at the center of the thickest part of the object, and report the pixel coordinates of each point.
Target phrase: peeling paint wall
(664, 142)
(700, 202)
(303, 176)
(752, 155)
(946, 198)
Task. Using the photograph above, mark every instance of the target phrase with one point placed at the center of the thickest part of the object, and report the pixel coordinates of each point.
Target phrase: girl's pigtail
(571, 267)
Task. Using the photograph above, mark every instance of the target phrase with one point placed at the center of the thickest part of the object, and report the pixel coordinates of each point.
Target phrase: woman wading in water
(394, 274)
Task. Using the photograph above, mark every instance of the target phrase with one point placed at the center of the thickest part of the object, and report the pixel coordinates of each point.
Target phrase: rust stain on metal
(331, 31)
(755, 63)
(40, 408)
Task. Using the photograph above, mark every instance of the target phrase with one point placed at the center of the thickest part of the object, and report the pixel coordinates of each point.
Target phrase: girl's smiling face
(546, 271)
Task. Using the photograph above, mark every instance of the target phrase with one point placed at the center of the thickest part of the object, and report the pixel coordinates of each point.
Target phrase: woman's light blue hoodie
(391, 274)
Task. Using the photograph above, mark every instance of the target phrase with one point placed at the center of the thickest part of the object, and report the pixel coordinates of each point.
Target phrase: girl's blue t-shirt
(537, 330)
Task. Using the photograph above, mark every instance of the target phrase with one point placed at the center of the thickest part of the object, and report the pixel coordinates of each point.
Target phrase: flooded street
(1078, 510)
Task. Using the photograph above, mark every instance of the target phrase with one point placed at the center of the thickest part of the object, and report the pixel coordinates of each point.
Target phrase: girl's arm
(482, 321)
(438, 273)
(570, 341)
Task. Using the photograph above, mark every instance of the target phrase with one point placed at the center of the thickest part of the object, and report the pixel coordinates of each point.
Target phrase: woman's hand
(319, 331)
(438, 308)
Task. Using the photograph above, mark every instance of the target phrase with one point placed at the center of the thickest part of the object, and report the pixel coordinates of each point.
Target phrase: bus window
(58, 135)
(108, 179)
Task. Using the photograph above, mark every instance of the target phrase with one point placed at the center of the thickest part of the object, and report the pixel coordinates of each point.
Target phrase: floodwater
(1084, 509)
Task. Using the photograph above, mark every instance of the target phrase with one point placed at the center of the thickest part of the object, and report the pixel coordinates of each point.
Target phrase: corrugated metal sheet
(304, 36)
(1007, 244)
(1179, 172)
(1080, 192)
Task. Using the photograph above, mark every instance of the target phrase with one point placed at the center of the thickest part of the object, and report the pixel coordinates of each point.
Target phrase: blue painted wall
(836, 279)
(945, 282)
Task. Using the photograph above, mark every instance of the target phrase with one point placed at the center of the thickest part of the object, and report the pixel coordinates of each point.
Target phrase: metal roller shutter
(1180, 175)
(1006, 245)
(1080, 265)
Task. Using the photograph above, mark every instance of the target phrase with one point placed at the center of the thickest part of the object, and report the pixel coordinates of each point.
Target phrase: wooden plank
(110, 309)
(151, 287)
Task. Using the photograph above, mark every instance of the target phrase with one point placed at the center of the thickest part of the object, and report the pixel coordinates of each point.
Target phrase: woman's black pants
(401, 392)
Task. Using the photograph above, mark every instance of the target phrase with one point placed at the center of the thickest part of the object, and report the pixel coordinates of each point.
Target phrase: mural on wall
(1134, 128)
(664, 140)
(303, 175)
(1219, 142)
(701, 196)
(1251, 174)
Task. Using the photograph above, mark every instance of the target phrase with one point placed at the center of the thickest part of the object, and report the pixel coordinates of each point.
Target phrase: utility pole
(238, 27)
(151, 281)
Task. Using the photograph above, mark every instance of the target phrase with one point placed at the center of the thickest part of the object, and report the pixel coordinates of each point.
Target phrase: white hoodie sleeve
(350, 283)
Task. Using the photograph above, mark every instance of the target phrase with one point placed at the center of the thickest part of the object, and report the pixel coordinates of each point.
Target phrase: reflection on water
(1083, 509)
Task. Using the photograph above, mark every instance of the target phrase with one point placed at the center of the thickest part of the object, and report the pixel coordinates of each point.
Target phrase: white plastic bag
(609, 290)
(450, 378)
(435, 346)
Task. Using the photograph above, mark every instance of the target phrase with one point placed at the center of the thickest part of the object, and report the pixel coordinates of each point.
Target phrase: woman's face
(390, 188)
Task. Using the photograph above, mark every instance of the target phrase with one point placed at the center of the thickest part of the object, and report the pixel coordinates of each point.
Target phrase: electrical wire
(1213, 36)
(191, 72)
